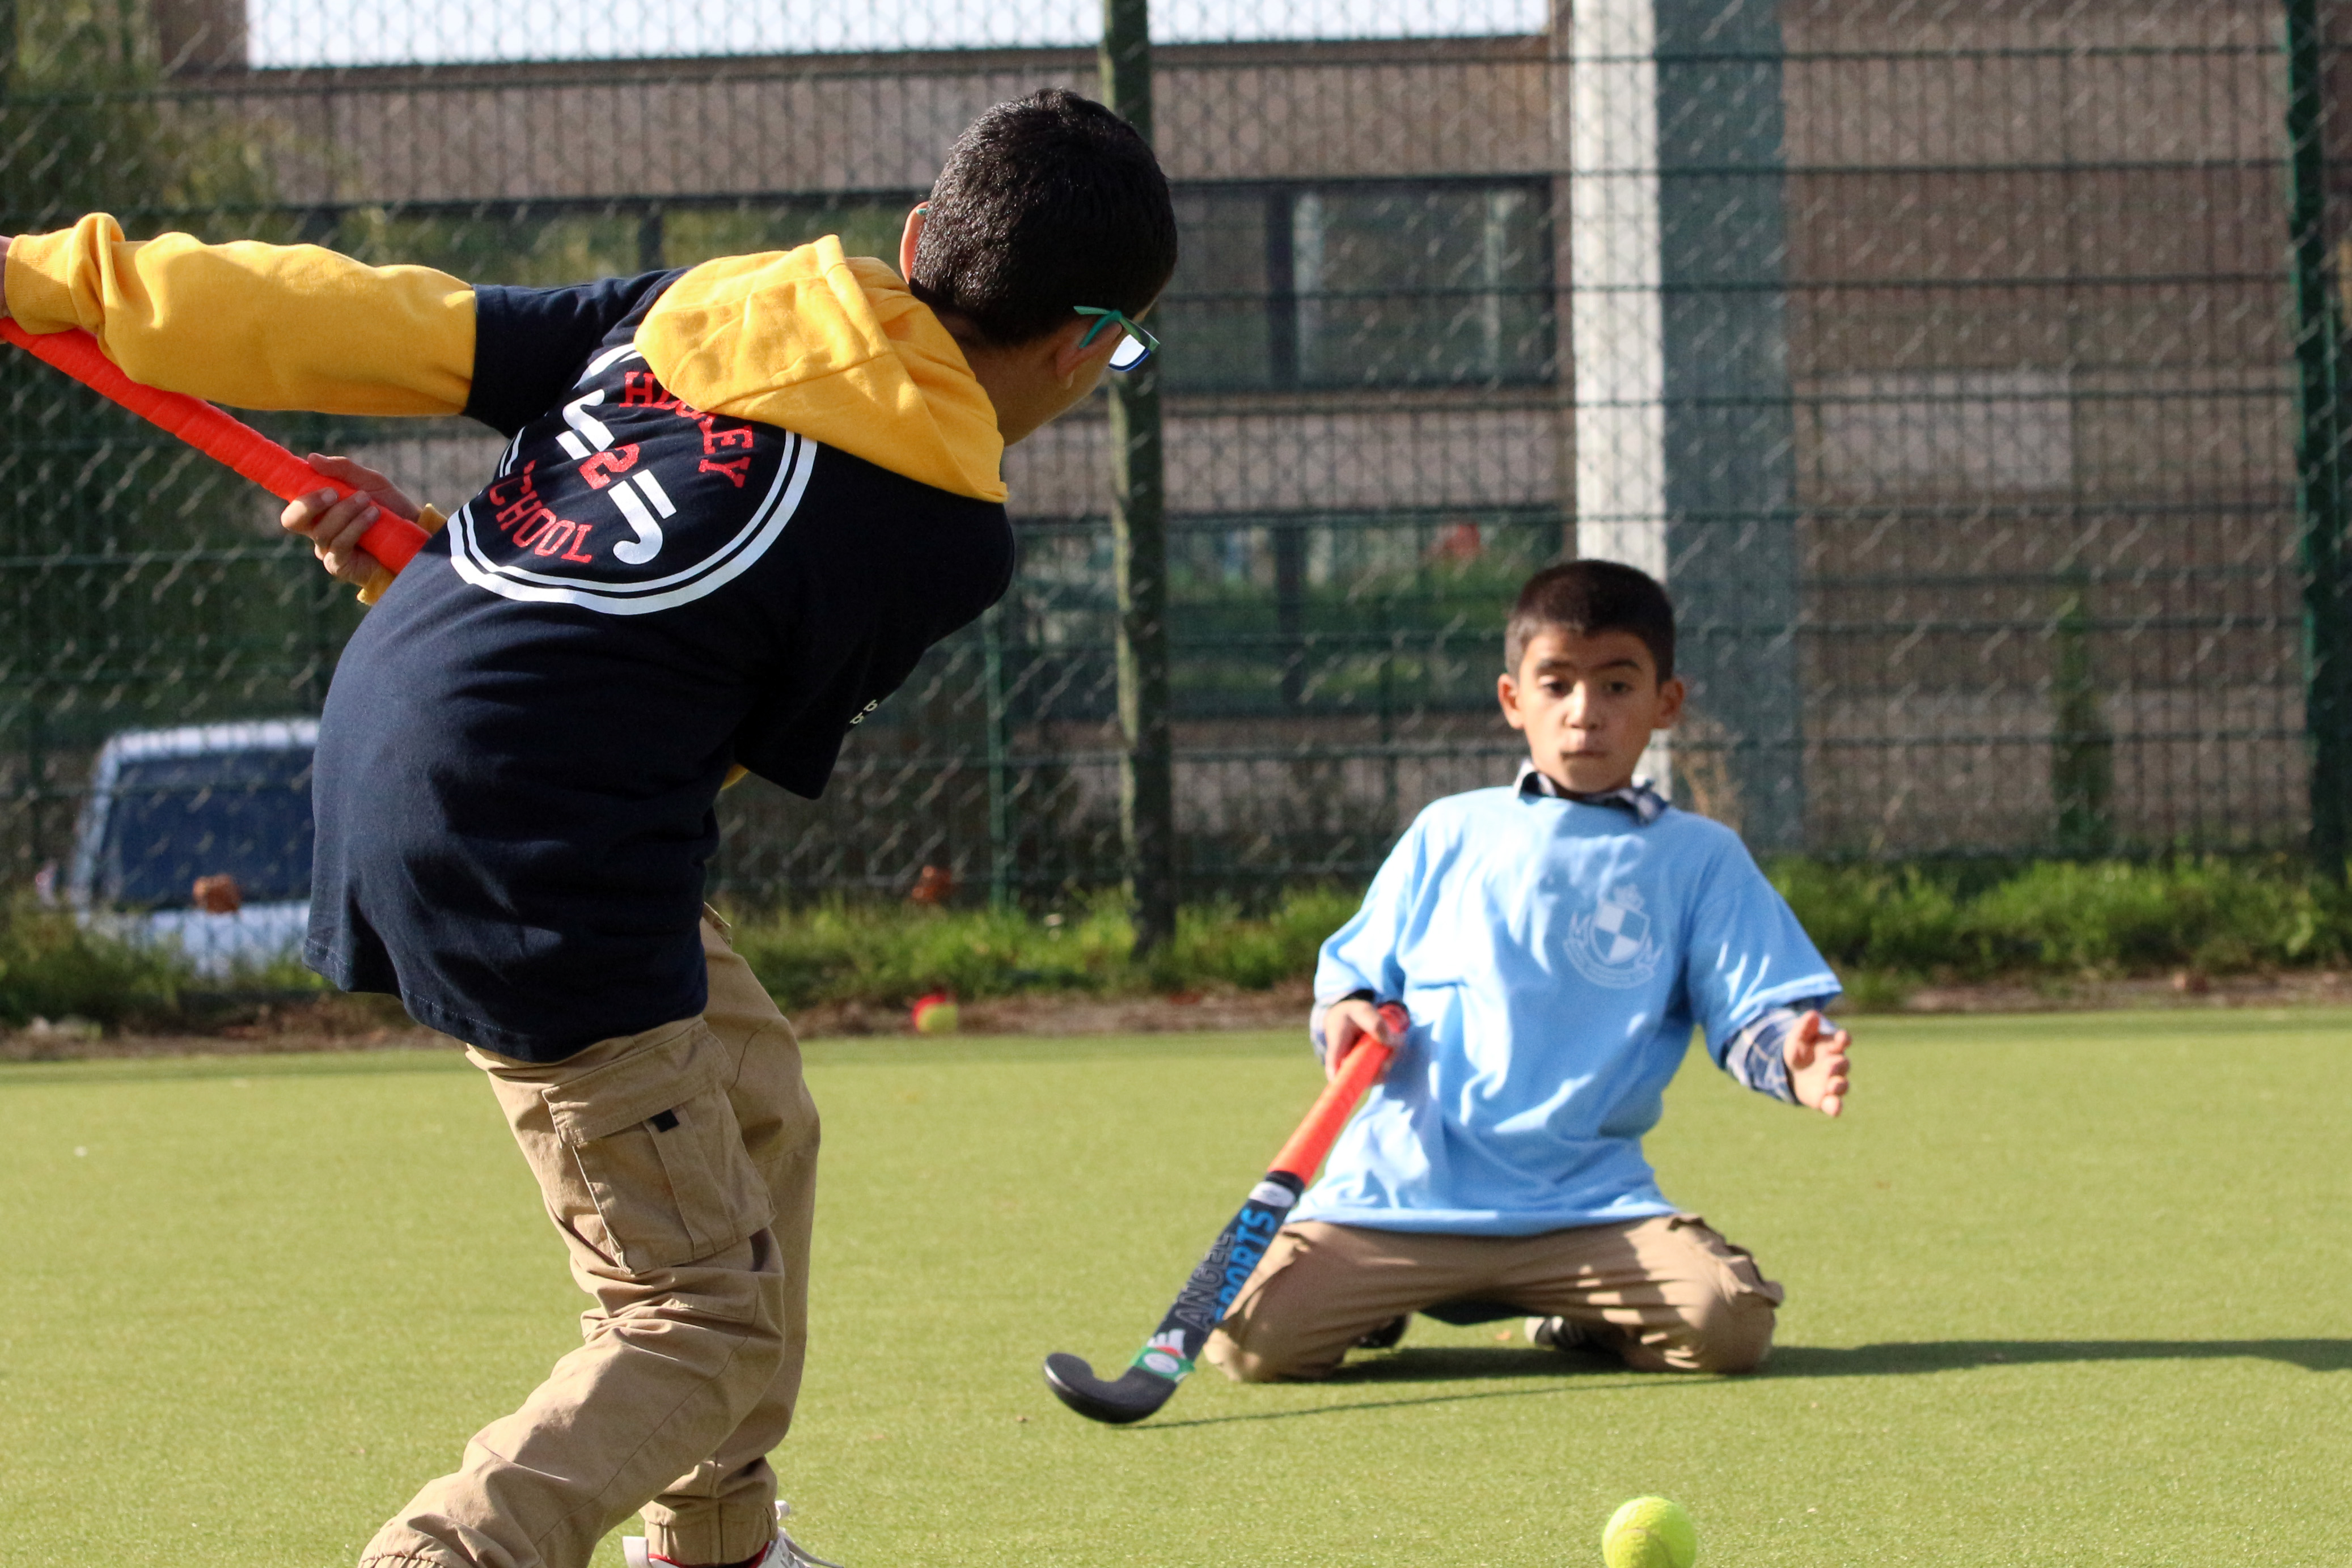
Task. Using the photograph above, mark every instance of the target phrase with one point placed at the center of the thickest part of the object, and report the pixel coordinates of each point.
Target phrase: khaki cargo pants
(679, 1166)
(1664, 1293)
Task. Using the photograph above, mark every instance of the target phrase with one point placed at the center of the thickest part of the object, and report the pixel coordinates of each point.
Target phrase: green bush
(1216, 944)
(2110, 918)
(1878, 917)
(2062, 918)
(51, 967)
(1884, 928)
(837, 951)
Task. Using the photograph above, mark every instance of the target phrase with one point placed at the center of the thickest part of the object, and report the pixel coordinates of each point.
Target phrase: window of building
(1370, 285)
(553, 243)
(1877, 435)
(1283, 288)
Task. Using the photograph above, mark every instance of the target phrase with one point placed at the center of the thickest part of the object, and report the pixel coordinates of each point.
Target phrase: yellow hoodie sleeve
(256, 326)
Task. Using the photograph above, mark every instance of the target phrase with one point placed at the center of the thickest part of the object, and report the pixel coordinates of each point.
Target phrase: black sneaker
(1385, 1337)
(1558, 1334)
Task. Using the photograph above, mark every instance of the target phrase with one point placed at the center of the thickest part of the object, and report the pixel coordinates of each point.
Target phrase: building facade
(1934, 355)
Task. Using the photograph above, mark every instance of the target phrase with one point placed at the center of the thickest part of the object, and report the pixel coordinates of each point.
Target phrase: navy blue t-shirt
(523, 745)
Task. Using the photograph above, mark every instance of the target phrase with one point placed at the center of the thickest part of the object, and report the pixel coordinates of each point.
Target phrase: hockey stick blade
(1131, 1398)
(1168, 1356)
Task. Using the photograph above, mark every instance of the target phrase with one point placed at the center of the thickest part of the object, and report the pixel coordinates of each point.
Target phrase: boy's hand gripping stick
(1167, 1357)
(392, 540)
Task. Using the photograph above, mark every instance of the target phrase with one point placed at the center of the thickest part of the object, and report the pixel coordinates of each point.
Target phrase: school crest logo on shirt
(1615, 945)
(627, 501)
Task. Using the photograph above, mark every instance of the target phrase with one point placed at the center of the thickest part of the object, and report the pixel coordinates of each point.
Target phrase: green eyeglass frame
(1138, 347)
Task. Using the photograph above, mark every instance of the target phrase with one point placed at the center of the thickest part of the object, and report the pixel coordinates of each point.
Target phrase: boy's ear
(1068, 357)
(908, 241)
(1507, 691)
(1670, 694)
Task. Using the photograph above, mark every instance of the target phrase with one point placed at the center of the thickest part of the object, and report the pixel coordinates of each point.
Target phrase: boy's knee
(1239, 1365)
(1262, 1358)
(1720, 1311)
(1730, 1333)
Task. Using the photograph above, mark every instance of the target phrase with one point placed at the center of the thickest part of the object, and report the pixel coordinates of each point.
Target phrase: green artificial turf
(2061, 1290)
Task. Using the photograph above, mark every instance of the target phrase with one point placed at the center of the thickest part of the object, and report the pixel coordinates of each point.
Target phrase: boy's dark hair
(1045, 203)
(1590, 597)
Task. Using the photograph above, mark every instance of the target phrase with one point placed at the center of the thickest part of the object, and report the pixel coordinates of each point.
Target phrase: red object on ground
(393, 540)
(1363, 1065)
(925, 1006)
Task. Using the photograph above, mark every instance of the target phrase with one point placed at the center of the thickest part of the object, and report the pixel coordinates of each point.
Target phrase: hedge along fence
(51, 968)
(836, 951)
(841, 952)
(2060, 918)
(1884, 928)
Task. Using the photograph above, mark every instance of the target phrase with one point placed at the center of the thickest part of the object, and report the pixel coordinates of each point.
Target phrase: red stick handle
(1303, 1155)
(392, 540)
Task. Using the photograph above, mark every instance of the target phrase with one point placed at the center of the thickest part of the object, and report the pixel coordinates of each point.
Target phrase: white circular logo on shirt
(626, 501)
(1614, 946)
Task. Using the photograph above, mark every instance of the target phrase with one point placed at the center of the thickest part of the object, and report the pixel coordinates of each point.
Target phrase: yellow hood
(833, 348)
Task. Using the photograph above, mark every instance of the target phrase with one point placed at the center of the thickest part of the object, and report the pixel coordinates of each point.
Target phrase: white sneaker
(785, 1553)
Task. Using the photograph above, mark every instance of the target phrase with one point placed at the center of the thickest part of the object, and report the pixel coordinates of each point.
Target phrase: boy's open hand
(334, 525)
(1345, 1025)
(1815, 1053)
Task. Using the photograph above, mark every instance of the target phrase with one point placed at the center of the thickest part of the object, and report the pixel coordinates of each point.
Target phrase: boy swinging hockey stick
(764, 485)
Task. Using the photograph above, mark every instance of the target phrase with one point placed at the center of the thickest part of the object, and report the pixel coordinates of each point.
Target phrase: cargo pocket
(657, 1145)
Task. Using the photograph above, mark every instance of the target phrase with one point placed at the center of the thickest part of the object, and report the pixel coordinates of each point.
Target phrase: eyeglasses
(1137, 347)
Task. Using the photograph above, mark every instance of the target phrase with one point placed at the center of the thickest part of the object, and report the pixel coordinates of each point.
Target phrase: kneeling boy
(1555, 943)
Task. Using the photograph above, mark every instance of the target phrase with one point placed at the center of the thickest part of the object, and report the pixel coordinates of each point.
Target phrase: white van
(168, 807)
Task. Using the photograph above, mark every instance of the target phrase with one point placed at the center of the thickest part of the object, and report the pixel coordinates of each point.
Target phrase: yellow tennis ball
(1650, 1532)
(937, 1018)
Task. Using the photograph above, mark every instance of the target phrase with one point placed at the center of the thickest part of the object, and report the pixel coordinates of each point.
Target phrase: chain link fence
(1941, 357)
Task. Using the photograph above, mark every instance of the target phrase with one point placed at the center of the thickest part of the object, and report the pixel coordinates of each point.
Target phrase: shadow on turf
(1575, 1374)
(1464, 1364)
(1456, 1365)
(1960, 1354)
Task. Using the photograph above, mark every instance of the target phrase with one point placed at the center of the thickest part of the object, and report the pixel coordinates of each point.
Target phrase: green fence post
(2318, 448)
(999, 791)
(1147, 807)
(1729, 422)
(652, 238)
(2082, 747)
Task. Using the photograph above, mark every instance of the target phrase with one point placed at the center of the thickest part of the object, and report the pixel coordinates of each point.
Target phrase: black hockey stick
(1167, 1357)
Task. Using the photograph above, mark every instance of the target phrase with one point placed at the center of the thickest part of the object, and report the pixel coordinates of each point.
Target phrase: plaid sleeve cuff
(1758, 1055)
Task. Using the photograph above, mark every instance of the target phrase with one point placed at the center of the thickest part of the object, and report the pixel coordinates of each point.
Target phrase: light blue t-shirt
(1554, 955)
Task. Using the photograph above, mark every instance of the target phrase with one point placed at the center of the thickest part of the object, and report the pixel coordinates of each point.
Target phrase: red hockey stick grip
(1303, 1155)
(393, 540)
